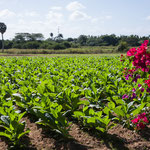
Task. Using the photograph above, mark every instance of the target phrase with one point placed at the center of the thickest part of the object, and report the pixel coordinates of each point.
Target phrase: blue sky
(76, 17)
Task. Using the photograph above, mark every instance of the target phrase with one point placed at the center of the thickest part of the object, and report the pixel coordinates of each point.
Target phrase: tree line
(37, 41)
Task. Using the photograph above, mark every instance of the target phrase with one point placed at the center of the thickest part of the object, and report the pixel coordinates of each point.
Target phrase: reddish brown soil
(118, 138)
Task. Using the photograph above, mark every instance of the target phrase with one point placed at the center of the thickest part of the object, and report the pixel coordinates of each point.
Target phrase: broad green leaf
(79, 114)
(5, 119)
(91, 120)
(5, 134)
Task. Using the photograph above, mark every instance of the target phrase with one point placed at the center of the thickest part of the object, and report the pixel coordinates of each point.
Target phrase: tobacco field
(96, 92)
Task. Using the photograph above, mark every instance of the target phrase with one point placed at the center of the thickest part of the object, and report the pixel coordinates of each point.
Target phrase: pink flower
(145, 120)
(141, 116)
(141, 59)
(148, 82)
(140, 121)
(140, 126)
(146, 42)
(125, 96)
(142, 89)
(133, 90)
(148, 90)
(135, 120)
(131, 52)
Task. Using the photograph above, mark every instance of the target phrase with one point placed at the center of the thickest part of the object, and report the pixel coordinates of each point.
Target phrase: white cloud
(78, 15)
(6, 13)
(102, 19)
(73, 6)
(24, 26)
(147, 18)
(94, 20)
(56, 8)
(27, 14)
(54, 15)
(108, 17)
(44, 24)
(31, 14)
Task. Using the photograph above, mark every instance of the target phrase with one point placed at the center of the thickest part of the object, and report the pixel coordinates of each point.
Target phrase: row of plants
(50, 89)
(99, 92)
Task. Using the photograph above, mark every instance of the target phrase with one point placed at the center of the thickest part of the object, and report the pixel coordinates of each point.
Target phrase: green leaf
(138, 110)
(91, 112)
(111, 125)
(84, 102)
(85, 108)
(5, 119)
(78, 114)
(5, 134)
(23, 133)
(99, 113)
(21, 115)
(106, 110)
(119, 112)
(148, 98)
(106, 120)
(111, 105)
(59, 108)
(91, 120)
(130, 104)
(5, 127)
(101, 129)
(41, 89)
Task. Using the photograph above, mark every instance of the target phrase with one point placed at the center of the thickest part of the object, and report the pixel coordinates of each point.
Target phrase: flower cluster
(128, 73)
(141, 59)
(148, 82)
(140, 122)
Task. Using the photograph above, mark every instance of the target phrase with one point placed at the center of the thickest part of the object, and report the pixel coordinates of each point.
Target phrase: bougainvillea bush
(137, 73)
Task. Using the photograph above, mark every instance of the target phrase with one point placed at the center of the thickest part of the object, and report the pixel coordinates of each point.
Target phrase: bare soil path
(118, 138)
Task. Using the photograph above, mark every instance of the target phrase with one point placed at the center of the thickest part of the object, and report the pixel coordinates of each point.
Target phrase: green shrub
(58, 46)
(67, 44)
(122, 47)
(31, 45)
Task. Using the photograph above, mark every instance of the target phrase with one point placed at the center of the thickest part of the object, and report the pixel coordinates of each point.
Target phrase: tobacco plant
(12, 124)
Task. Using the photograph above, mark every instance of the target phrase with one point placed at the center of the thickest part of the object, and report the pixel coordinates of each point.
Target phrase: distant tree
(58, 46)
(37, 36)
(31, 45)
(109, 39)
(59, 37)
(92, 41)
(8, 44)
(67, 44)
(51, 35)
(122, 47)
(70, 39)
(3, 28)
(132, 40)
(82, 39)
(21, 37)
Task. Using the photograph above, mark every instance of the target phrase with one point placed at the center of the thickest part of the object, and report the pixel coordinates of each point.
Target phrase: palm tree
(60, 36)
(51, 35)
(3, 28)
